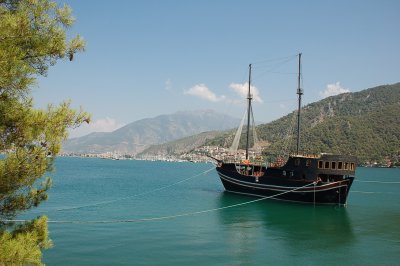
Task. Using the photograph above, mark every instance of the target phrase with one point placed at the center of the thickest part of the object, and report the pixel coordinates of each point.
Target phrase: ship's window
(352, 166)
(327, 165)
(340, 166)
(333, 165)
(346, 166)
(320, 164)
(308, 162)
(297, 162)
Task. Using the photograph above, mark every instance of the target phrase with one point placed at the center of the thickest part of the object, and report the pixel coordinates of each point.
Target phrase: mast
(249, 98)
(299, 92)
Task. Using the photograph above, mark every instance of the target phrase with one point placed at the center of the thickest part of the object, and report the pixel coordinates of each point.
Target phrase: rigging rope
(255, 137)
(271, 68)
(289, 136)
(278, 59)
(161, 217)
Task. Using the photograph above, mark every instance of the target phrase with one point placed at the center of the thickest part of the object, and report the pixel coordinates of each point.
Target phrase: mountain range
(137, 136)
(364, 123)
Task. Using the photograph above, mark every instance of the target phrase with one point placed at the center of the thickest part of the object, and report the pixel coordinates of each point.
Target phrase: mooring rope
(161, 217)
(376, 182)
(379, 182)
(371, 192)
(132, 196)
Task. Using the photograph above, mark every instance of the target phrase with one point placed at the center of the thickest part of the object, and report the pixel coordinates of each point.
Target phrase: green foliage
(23, 245)
(365, 124)
(32, 38)
(30, 139)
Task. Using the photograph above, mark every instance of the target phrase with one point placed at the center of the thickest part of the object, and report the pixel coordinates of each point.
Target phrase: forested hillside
(365, 124)
(180, 146)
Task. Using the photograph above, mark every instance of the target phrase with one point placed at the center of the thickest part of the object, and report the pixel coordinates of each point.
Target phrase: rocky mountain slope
(365, 124)
(137, 136)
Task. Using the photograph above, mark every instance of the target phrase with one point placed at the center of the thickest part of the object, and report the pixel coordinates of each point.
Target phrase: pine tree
(32, 38)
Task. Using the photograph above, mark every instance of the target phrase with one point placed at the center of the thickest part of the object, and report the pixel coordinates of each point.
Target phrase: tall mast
(299, 92)
(249, 98)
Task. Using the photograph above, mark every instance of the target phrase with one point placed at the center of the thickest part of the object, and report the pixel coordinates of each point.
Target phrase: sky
(148, 58)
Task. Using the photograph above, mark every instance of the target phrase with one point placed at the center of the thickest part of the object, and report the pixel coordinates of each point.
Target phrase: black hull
(288, 189)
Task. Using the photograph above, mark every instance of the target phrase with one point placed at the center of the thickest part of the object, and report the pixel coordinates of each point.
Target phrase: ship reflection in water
(288, 229)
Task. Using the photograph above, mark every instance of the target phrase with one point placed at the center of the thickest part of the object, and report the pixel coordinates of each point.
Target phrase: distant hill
(137, 136)
(365, 124)
(180, 146)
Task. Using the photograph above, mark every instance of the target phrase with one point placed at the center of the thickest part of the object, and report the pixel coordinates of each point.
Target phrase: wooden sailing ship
(307, 178)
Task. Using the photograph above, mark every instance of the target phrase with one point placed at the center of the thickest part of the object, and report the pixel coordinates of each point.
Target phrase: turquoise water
(267, 232)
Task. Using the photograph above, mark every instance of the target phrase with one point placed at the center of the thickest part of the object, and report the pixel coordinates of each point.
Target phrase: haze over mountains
(364, 123)
(137, 136)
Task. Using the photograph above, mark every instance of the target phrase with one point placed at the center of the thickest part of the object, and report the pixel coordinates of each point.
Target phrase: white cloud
(168, 84)
(100, 125)
(104, 125)
(333, 89)
(242, 91)
(203, 92)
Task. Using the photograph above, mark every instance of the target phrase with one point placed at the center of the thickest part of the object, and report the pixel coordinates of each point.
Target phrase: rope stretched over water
(371, 192)
(374, 181)
(132, 196)
(379, 182)
(176, 183)
(161, 217)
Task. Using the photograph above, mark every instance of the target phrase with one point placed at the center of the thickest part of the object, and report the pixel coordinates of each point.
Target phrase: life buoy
(246, 162)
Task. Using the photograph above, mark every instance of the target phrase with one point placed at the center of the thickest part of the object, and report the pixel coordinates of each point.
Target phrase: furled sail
(236, 140)
(235, 144)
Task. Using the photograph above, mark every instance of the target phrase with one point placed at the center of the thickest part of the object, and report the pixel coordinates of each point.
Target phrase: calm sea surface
(87, 191)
